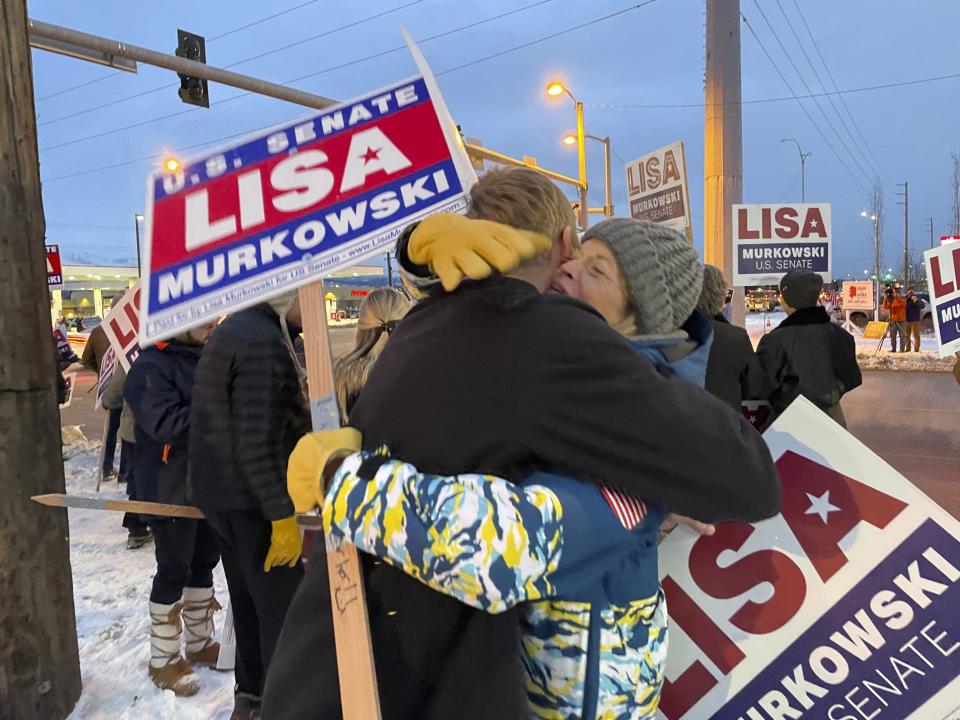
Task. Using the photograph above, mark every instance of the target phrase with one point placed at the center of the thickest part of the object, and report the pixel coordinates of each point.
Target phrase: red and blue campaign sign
(943, 279)
(771, 240)
(54, 268)
(843, 607)
(289, 206)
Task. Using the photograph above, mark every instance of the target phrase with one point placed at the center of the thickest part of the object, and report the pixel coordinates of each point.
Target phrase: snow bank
(927, 360)
(111, 588)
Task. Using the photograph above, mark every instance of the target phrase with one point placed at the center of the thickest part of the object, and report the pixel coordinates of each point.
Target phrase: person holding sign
(807, 354)
(499, 376)
(249, 409)
(158, 390)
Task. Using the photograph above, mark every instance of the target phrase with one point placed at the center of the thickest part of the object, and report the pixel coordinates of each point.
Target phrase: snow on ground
(927, 360)
(111, 589)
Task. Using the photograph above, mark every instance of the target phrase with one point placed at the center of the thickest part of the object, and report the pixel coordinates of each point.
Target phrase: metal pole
(40, 30)
(582, 158)
(136, 226)
(876, 258)
(906, 235)
(608, 195)
(389, 270)
(930, 220)
(803, 183)
(478, 151)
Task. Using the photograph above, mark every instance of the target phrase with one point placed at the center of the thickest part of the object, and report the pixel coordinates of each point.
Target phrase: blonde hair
(523, 199)
(380, 312)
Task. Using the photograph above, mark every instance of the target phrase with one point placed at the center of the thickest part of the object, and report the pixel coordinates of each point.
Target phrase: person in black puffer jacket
(733, 372)
(807, 354)
(158, 390)
(249, 409)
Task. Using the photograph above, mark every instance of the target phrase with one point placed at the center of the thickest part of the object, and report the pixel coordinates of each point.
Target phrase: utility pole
(39, 661)
(906, 232)
(723, 156)
(930, 222)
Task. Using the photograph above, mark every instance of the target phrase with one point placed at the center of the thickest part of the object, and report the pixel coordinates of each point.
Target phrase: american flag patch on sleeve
(630, 510)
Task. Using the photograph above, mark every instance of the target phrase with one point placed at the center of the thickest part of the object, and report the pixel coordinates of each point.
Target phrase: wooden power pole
(39, 662)
(723, 156)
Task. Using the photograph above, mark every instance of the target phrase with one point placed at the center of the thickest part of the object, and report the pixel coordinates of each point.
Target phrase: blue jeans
(898, 329)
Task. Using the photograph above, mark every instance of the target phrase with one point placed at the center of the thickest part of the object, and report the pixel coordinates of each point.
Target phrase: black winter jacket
(808, 355)
(248, 413)
(733, 371)
(498, 378)
(158, 389)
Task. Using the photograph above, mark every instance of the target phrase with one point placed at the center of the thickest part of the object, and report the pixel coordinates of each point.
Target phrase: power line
(167, 86)
(802, 106)
(332, 68)
(785, 98)
(215, 37)
(843, 101)
(830, 99)
(843, 142)
(449, 70)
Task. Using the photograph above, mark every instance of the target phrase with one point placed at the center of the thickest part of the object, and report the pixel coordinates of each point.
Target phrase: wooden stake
(39, 662)
(351, 625)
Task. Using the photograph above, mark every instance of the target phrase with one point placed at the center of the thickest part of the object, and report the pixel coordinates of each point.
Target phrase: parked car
(79, 329)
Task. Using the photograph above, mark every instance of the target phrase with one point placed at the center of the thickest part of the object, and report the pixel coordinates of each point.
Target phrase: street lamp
(570, 139)
(555, 89)
(803, 160)
(171, 164)
(137, 219)
(876, 259)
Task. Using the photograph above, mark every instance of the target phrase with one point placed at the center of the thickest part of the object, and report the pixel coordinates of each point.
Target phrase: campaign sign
(858, 295)
(108, 365)
(657, 187)
(771, 240)
(287, 207)
(122, 326)
(54, 268)
(843, 607)
(875, 330)
(943, 280)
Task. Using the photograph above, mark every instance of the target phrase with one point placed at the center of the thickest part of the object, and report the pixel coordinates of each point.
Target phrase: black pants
(186, 556)
(258, 599)
(131, 521)
(110, 441)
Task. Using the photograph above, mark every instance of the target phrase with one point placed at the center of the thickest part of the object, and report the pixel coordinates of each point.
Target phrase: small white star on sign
(813, 223)
(821, 506)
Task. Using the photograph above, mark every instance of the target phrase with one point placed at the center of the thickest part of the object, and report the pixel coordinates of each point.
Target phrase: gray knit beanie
(714, 291)
(662, 272)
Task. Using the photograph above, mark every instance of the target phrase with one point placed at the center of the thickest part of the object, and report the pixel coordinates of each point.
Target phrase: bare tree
(918, 272)
(876, 214)
(955, 186)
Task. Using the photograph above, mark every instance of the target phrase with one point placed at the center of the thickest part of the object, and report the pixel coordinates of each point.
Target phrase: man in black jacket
(248, 412)
(733, 371)
(500, 378)
(807, 354)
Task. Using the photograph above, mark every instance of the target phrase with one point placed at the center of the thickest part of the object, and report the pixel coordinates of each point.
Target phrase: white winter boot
(168, 669)
(199, 605)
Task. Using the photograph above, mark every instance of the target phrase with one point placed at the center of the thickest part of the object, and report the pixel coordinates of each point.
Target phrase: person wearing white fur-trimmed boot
(168, 669)
(199, 605)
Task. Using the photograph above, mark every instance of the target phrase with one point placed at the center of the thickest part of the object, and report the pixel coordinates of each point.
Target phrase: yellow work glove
(454, 246)
(285, 544)
(308, 459)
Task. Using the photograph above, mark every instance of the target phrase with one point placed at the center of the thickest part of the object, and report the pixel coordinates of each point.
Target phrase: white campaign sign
(943, 279)
(657, 187)
(122, 326)
(844, 606)
(858, 295)
(771, 240)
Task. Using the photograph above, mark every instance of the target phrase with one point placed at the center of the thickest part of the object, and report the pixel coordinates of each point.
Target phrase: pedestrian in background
(733, 371)
(913, 314)
(249, 410)
(159, 388)
(897, 307)
(807, 354)
(380, 312)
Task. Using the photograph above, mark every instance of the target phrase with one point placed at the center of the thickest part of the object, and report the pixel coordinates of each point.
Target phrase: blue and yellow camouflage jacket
(593, 620)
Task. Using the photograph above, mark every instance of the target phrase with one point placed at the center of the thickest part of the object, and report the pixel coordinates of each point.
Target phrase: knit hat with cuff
(661, 270)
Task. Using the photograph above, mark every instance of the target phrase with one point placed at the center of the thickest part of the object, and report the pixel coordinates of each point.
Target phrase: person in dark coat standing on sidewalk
(158, 390)
(733, 371)
(249, 410)
(807, 354)
(914, 314)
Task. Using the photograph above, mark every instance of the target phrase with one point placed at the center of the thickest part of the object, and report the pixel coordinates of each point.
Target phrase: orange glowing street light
(555, 88)
(171, 164)
(569, 139)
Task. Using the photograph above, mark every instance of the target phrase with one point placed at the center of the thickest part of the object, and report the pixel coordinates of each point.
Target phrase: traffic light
(193, 90)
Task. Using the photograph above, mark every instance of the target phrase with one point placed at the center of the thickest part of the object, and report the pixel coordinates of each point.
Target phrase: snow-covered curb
(923, 361)
(111, 588)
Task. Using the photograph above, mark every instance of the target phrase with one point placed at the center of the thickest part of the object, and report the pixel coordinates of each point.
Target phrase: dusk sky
(625, 69)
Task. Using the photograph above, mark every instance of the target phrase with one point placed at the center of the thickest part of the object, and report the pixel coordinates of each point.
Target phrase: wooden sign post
(358, 675)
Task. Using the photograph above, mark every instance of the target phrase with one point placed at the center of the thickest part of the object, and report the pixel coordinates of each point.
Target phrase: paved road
(912, 420)
(82, 413)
